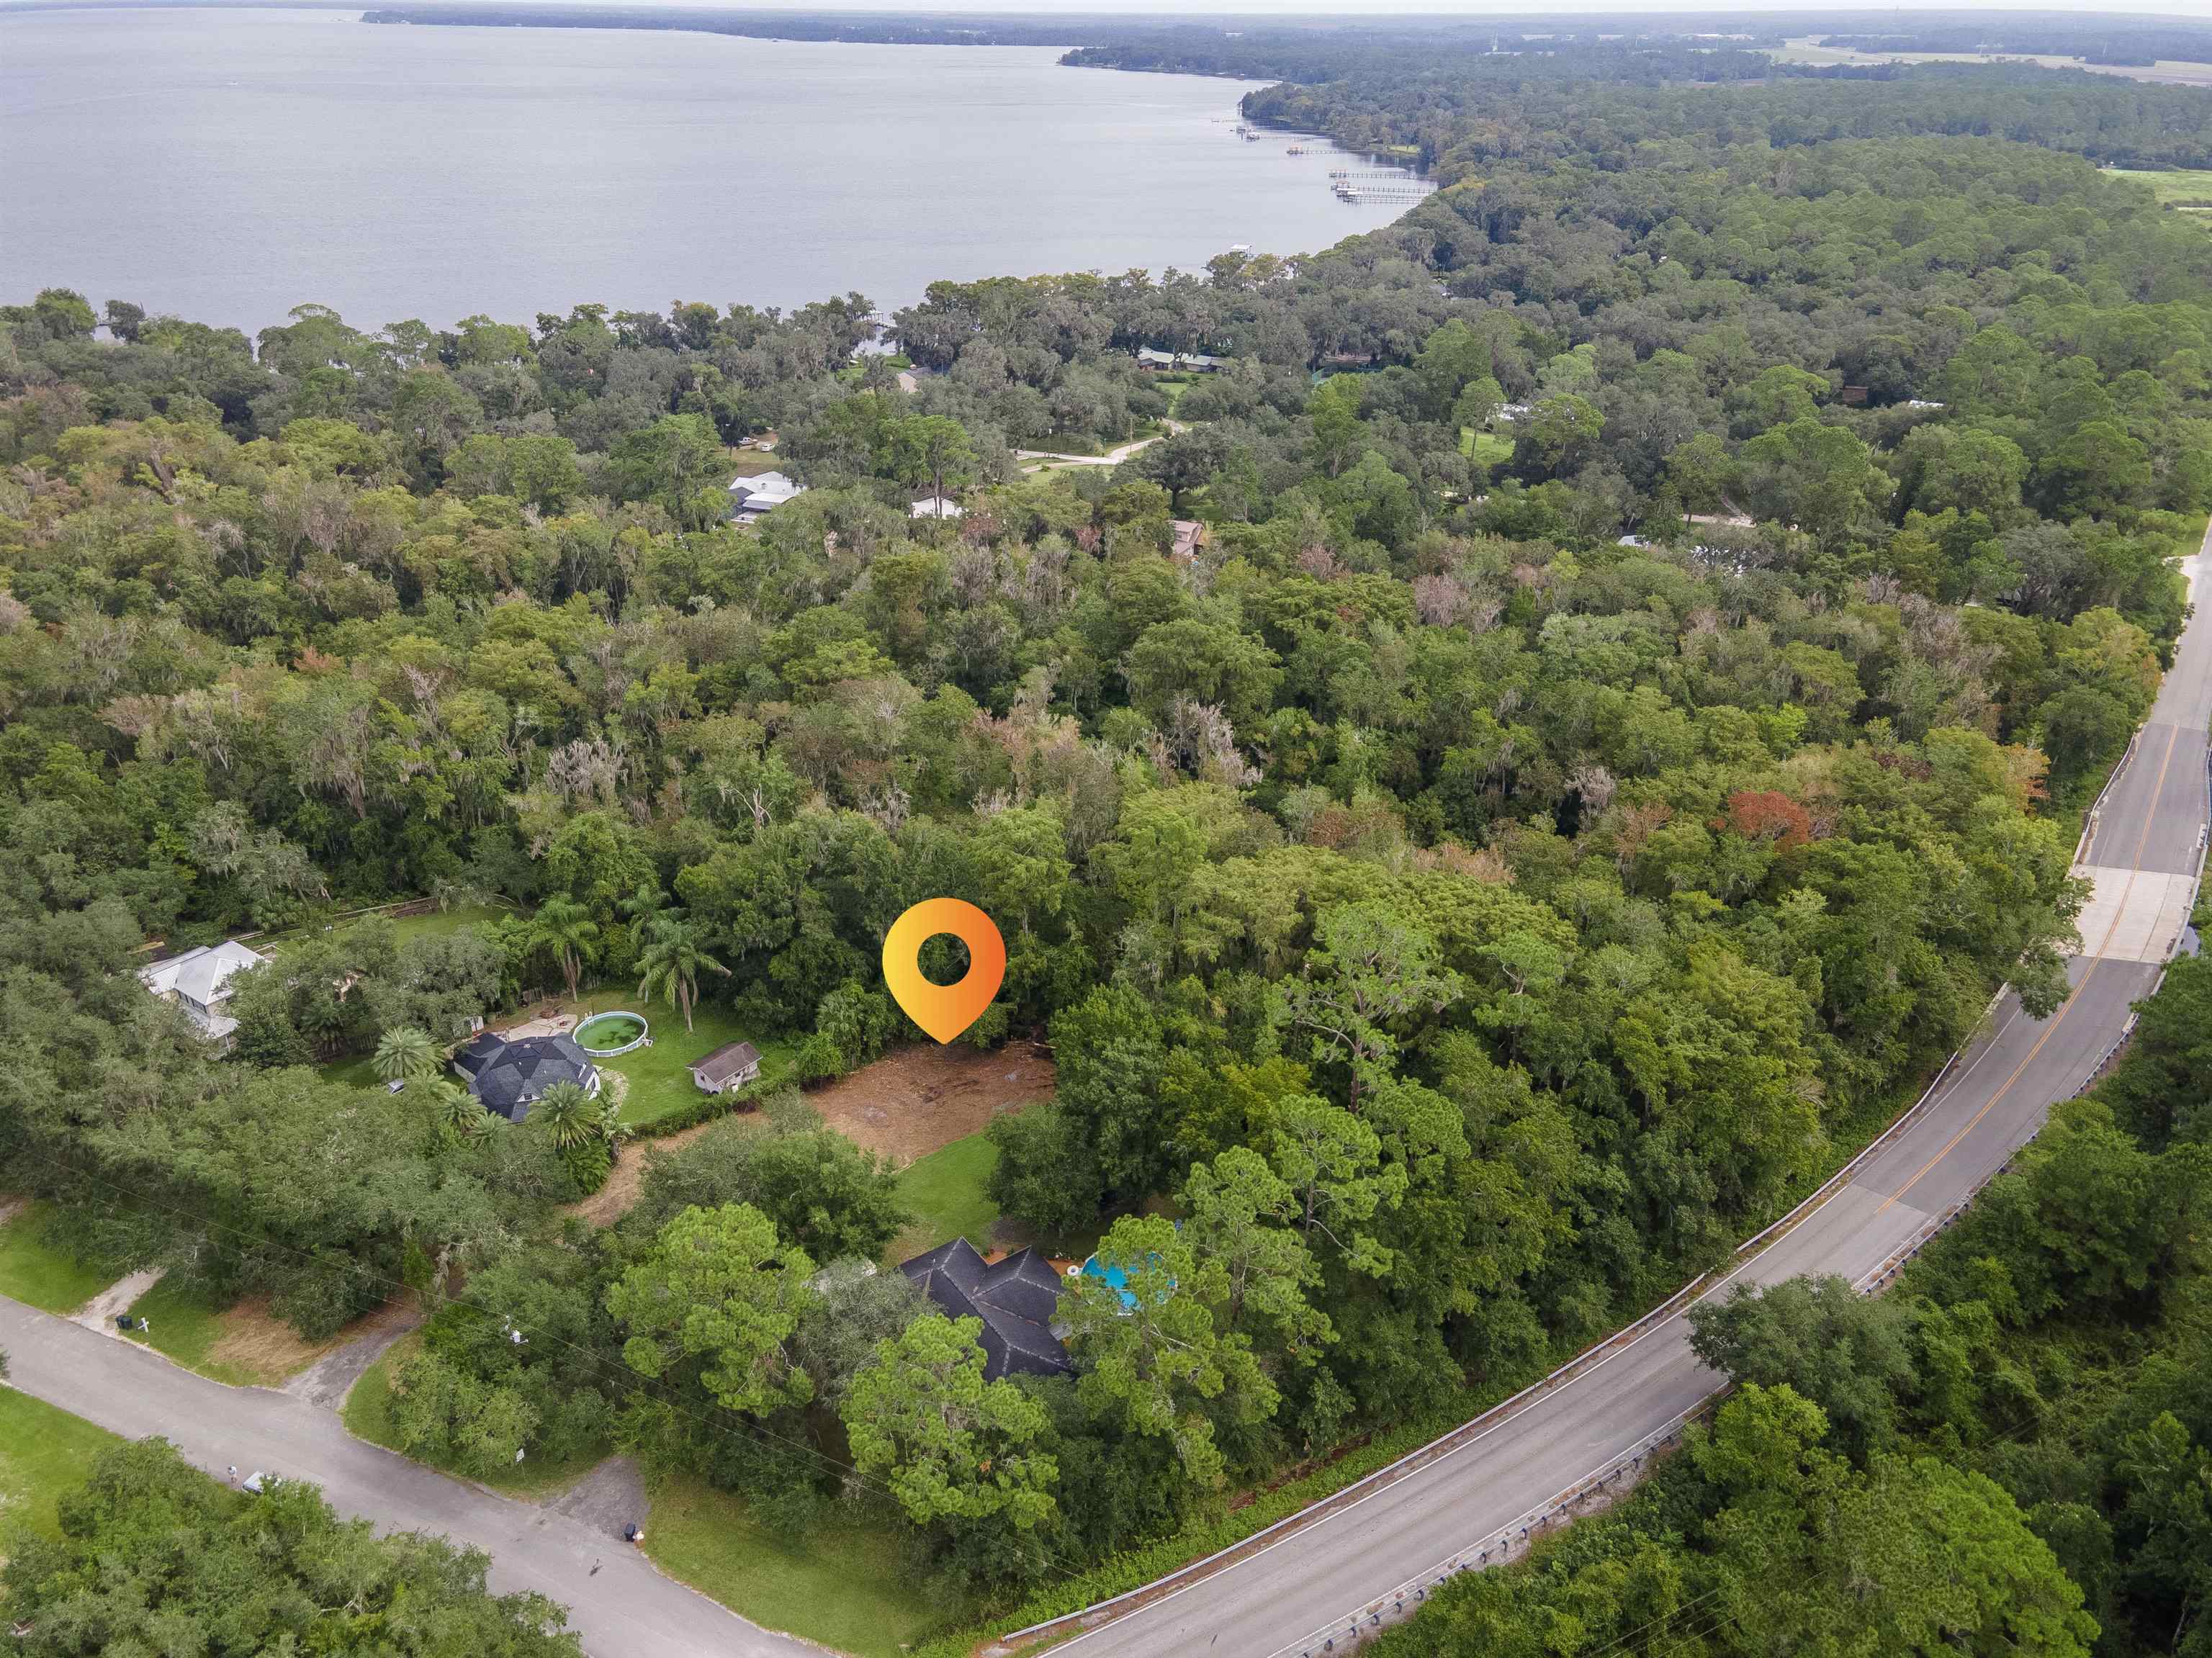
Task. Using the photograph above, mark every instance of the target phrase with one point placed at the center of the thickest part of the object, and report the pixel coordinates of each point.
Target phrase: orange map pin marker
(944, 1011)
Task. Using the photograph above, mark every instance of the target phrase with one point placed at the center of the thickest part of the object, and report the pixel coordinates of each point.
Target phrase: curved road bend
(625, 1609)
(2142, 859)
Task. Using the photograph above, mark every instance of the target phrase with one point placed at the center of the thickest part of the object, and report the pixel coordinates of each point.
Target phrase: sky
(1515, 9)
(1845, 15)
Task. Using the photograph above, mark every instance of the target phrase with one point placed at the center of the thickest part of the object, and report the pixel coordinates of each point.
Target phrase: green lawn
(944, 1190)
(1486, 447)
(659, 1078)
(847, 1586)
(187, 1327)
(2181, 187)
(44, 1452)
(368, 1416)
(32, 1270)
(359, 1072)
(751, 463)
(431, 924)
(186, 1324)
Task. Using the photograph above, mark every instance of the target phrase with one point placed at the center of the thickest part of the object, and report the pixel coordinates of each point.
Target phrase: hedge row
(707, 1107)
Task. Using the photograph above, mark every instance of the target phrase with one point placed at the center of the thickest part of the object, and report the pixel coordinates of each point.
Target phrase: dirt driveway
(906, 1105)
(914, 1099)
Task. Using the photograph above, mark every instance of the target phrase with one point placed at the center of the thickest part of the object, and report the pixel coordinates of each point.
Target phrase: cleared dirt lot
(906, 1105)
(914, 1099)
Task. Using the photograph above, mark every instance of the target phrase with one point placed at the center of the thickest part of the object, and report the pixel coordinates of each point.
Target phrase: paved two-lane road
(2142, 857)
(622, 1607)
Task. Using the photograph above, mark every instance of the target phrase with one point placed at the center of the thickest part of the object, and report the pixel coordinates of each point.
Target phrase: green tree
(1254, 1271)
(958, 1451)
(1148, 1357)
(406, 1055)
(1369, 974)
(1821, 478)
(565, 930)
(460, 1115)
(150, 1548)
(931, 449)
(669, 461)
(717, 1291)
(1851, 1355)
(570, 1115)
(671, 962)
(1333, 1164)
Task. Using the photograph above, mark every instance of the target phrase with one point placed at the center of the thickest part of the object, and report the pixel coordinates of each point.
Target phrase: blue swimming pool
(1112, 1276)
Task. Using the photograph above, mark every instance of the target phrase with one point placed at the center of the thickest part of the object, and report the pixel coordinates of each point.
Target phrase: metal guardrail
(1105, 1611)
(1523, 1531)
(1618, 1473)
(1627, 1467)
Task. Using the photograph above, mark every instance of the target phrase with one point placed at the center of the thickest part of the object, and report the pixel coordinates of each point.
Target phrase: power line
(767, 1438)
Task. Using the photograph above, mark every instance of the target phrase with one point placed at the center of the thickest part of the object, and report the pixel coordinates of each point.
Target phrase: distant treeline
(1463, 119)
(876, 28)
(1308, 57)
(2093, 39)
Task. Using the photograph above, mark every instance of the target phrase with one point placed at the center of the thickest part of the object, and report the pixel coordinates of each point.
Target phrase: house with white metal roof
(199, 982)
(751, 497)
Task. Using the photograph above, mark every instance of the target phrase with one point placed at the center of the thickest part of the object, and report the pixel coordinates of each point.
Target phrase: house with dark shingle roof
(510, 1077)
(1016, 1298)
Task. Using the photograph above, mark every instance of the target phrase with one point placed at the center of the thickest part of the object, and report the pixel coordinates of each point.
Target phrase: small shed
(730, 1066)
(938, 507)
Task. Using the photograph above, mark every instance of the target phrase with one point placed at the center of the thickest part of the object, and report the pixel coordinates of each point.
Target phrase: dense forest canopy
(1661, 606)
(2011, 1451)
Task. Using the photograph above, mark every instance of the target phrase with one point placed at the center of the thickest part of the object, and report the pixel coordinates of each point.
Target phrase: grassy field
(657, 1078)
(242, 1346)
(944, 1190)
(368, 1416)
(31, 1271)
(44, 1452)
(1175, 386)
(404, 928)
(185, 1327)
(2175, 186)
(1486, 447)
(846, 1587)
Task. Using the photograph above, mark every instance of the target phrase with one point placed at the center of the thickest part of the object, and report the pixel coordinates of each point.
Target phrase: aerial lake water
(227, 166)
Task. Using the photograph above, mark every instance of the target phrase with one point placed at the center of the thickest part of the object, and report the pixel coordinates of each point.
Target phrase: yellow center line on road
(2058, 1018)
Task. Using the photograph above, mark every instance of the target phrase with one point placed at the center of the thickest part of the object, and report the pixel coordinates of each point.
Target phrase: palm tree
(460, 1115)
(566, 927)
(405, 1053)
(671, 963)
(569, 1114)
(643, 904)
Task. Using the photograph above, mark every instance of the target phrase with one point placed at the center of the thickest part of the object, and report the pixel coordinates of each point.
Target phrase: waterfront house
(1178, 363)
